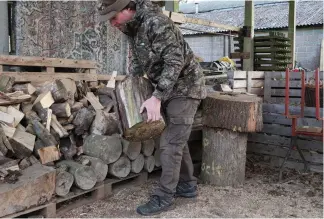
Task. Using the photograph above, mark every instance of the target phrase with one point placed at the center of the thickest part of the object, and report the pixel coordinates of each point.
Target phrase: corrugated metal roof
(267, 16)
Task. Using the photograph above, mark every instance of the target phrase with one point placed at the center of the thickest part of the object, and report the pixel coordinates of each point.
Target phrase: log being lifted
(100, 168)
(120, 168)
(84, 176)
(233, 111)
(64, 181)
(107, 148)
(131, 93)
(131, 149)
(224, 156)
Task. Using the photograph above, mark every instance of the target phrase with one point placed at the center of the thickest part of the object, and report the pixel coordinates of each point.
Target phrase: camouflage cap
(109, 8)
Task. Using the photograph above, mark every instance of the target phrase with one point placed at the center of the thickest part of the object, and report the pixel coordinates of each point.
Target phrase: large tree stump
(233, 111)
(131, 93)
(131, 149)
(120, 168)
(100, 168)
(107, 148)
(84, 176)
(224, 155)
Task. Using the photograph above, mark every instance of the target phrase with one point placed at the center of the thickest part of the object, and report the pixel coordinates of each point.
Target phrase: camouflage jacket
(161, 52)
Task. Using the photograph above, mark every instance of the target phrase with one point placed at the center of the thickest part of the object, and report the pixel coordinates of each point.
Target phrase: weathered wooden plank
(44, 76)
(239, 74)
(282, 120)
(290, 163)
(294, 110)
(276, 129)
(243, 83)
(312, 157)
(257, 91)
(293, 75)
(45, 62)
(278, 140)
(282, 83)
(281, 100)
(281, 92)
(297, 165)
(256, 74)
(107, 77)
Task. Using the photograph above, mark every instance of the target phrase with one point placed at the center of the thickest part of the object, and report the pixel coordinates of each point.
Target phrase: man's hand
(153, 107)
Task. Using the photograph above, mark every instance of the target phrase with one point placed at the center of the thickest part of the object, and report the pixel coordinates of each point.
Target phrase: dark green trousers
(175, 158)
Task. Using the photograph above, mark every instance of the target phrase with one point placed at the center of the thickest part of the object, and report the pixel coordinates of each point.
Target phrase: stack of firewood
(65, 124)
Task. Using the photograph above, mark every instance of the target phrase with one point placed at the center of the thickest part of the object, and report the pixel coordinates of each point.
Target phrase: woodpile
(72, 127)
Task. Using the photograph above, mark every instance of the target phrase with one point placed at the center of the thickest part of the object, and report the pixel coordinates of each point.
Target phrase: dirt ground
(299, 195)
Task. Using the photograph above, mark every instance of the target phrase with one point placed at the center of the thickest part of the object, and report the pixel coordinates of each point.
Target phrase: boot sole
(187, 195)
(171, 207)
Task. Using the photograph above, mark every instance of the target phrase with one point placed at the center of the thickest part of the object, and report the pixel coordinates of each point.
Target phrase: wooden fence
(273, 141)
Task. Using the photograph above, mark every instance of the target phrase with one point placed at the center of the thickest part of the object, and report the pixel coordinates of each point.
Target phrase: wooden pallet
(77, 197)
(39, 69)
(247, 81)
(274, 139)
(275, 83)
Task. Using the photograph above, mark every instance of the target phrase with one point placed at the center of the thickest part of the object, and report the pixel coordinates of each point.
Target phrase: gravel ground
(299, 195)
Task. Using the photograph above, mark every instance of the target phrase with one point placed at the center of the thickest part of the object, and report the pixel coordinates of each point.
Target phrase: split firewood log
(83, 120)
(56, 88)
(105, 123)
(27, 88)
(131, 93)
(61, 109)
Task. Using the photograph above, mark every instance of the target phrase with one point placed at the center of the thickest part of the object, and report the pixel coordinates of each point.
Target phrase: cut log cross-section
(64, 181)
(100, 168)
(149, 163)
(131, 149)
(148, 147)
(137, 164)
(107, 148)
(120, 168)
(233, 111)
(131, 93)
(84, 176)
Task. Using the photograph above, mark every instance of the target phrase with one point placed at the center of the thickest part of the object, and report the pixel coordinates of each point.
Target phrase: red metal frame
(294, 131)
(294, 118)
